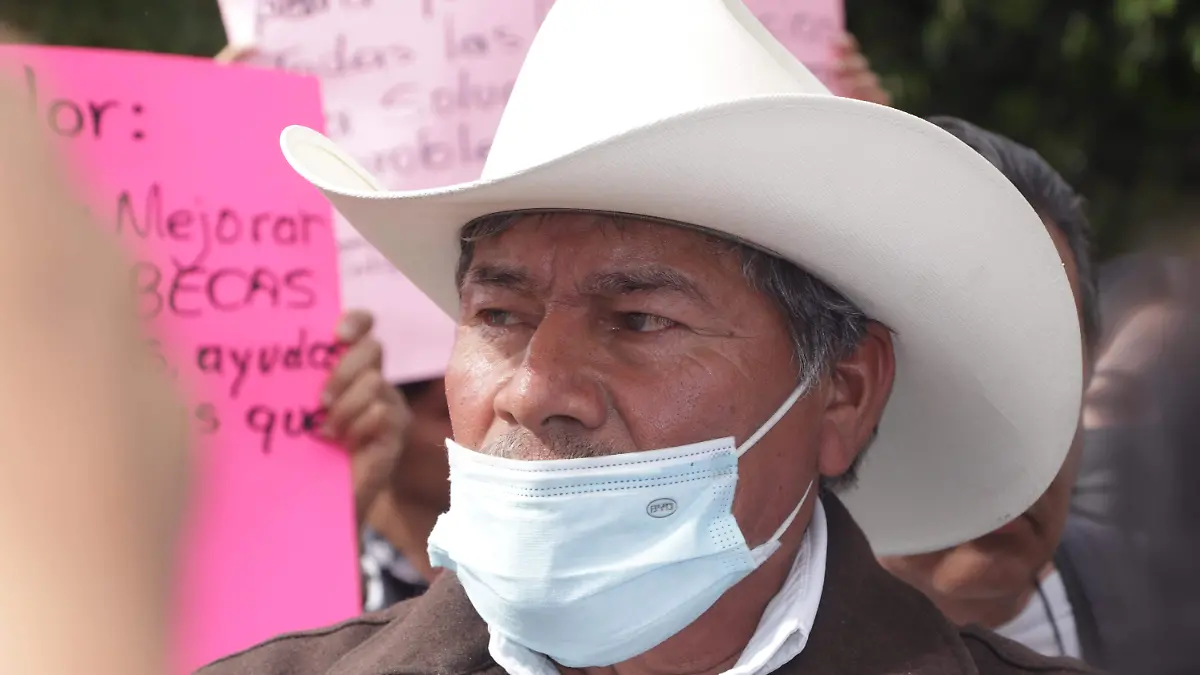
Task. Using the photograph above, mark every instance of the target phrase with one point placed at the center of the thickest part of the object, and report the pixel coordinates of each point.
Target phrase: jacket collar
(868, 623)
(871, 623)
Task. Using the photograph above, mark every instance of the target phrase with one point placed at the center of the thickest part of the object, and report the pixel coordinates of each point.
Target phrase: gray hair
(824, 325)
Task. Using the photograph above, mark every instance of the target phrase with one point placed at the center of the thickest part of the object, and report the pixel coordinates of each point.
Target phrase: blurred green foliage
(1107, 90)
(172, 26)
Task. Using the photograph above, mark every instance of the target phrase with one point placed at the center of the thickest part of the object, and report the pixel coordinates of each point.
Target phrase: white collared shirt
(782, 632)
(1043, 624)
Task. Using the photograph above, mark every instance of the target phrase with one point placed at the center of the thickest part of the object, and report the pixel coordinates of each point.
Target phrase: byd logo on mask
(661, 508)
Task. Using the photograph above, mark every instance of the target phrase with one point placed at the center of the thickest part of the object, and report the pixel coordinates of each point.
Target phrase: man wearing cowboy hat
(692, 289)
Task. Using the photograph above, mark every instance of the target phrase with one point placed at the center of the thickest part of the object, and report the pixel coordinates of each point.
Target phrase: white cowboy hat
(688, 110)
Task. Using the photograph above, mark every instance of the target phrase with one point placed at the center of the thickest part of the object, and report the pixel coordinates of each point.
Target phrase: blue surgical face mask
(594, 561)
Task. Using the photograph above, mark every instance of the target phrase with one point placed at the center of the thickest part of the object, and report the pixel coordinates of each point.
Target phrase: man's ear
(856, 394)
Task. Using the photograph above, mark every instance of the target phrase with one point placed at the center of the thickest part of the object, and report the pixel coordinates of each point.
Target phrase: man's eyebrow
(498, 276)
(642, 280)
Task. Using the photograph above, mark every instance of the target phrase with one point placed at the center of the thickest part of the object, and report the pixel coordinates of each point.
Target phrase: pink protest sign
(414, 89)
(234, 263)
(808, 28)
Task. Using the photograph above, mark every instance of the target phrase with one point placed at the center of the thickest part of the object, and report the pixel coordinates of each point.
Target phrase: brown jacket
(868, 624)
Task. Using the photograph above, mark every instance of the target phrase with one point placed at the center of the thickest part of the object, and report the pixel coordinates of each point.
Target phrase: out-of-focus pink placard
(235, 266)
(414, 89)
(808, 28)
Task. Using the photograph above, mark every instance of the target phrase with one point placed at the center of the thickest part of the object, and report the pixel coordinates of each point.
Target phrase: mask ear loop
(773, 419)
(761, 553)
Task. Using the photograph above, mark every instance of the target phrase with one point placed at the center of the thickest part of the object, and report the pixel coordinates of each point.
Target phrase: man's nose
(556, 387)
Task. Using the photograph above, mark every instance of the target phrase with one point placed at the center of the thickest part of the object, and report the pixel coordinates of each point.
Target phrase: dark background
(1107, 90)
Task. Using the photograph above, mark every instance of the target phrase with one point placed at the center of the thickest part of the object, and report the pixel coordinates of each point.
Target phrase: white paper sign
(414, 90)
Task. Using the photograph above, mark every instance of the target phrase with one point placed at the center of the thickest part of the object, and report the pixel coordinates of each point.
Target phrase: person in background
(396, 438)
(1155, 503)
(1128, 530)
(1008, 580)
(1139, 296)
(395, 559)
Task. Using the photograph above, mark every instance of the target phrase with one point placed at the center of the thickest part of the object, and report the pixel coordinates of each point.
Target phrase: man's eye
(497, 317)
(645, 323)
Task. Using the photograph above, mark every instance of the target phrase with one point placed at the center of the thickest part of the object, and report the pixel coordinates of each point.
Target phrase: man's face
(1004, 562)
(581, 336)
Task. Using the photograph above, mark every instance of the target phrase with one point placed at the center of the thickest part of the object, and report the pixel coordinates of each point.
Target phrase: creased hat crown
(598, 68)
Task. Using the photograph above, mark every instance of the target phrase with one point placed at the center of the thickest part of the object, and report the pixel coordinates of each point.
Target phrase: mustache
(521, 444)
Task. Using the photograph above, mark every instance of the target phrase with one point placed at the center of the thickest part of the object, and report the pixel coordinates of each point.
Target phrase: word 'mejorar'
(203, 229)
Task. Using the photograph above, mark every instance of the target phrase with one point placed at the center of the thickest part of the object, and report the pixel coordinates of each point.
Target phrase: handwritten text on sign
(414, 90)
(234, 267)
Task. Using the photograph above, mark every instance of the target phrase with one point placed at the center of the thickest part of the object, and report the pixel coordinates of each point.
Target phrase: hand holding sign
(853, 76)
(365, 414)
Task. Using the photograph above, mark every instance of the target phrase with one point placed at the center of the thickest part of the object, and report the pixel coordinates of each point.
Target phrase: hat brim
(909, 223)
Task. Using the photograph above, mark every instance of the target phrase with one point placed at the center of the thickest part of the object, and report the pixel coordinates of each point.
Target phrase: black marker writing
(267, 422)
(203, 228)
(346, 60)
(478, 44)
(430, 153)
(219, 359)
(75, 118)
(191, 291)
